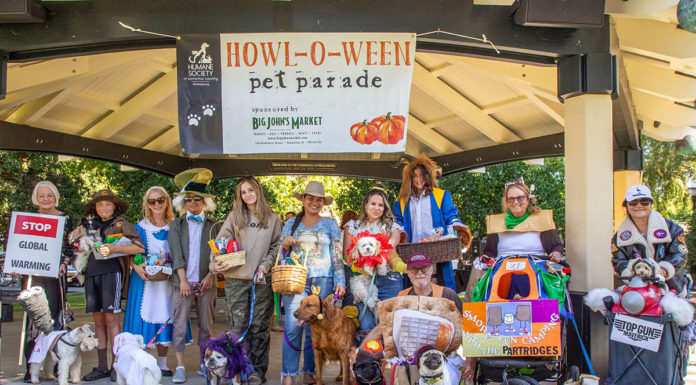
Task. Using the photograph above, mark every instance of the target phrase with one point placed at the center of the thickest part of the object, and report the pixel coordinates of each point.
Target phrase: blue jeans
(388, 286)
(291, 357)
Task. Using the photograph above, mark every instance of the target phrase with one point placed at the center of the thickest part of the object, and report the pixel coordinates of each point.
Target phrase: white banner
(34, 244)
(305, 93)
(637, 332)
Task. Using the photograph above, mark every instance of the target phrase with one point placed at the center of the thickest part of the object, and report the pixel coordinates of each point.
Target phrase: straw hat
(106, 195)
(194, 181)
(316, 189)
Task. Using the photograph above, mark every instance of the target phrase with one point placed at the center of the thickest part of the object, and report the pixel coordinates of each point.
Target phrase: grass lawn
(75, 299)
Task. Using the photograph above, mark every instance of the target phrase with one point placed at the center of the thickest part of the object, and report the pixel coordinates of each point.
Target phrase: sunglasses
(518, 199)
(161, 201)
(642, 201)
(195, 199)
(421, 269)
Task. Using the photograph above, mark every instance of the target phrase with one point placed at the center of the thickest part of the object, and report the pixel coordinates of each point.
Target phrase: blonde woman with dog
(645, 233)
(149, 305)
(45, 196)
(319, 238)
(256, 228)
(376, 218)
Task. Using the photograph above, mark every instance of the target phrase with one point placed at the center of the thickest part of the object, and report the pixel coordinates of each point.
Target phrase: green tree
(667, 173)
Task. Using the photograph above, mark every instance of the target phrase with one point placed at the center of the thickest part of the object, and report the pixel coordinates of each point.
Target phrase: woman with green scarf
(522, 229)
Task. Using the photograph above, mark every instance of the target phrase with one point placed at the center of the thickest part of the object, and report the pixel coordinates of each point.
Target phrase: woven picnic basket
(159, 275)
(232, 259)
(442, 250)
(288, 279)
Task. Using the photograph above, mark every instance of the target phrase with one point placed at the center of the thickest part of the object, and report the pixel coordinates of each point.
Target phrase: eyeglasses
(518, 199)
(642, 201)
(421, 269)
(160, 200)
(196, 199)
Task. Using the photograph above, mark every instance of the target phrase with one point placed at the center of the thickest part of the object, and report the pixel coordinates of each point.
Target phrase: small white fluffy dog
(432, 368)
(360, 284)
(133, 365)
(66, 353)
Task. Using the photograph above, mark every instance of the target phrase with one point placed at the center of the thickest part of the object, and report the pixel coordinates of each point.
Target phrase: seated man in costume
(419, 269)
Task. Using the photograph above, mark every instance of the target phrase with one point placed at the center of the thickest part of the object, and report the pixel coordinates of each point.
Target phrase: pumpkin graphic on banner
(387, 129)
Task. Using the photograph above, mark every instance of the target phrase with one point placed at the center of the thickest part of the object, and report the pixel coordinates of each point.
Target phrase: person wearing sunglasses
(522, 229)
(146, 314)
(647, 234)
(192, 279)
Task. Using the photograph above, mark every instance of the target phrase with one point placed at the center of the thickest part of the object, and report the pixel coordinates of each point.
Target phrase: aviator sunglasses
(642, 201)
(195, 199)
(160, 200)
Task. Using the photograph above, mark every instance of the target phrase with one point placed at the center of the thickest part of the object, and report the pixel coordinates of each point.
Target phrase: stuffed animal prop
(226, 359)
(34, 302)
(133, 365)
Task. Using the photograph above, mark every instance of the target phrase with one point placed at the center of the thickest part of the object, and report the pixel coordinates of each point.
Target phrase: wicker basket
(232, 259)
(288, 279)
(439, 251)
(158, 273)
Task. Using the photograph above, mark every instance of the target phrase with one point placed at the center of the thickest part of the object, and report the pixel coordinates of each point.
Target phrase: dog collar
(433, 380)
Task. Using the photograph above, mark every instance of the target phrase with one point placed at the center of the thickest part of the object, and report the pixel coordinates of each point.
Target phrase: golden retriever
(332, 334)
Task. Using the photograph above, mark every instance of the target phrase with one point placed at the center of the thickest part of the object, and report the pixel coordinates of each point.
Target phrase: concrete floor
(11, 373)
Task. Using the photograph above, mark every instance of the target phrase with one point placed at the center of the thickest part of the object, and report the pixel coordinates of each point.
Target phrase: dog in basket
(133, 365)
(333, 333)
(226, 359)
(369, 253)
(62, 348)
(433, 367)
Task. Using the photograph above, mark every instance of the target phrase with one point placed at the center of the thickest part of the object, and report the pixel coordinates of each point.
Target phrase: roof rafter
(461, 106)
(113, 123)
(431, 138)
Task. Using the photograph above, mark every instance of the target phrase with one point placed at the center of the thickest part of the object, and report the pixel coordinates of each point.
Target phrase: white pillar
(589, 190)
(589, 207)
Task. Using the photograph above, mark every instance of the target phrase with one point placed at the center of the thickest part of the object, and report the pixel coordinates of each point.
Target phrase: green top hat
(194, 181)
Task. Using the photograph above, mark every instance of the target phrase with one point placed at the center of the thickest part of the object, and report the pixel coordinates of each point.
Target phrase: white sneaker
(179, 375)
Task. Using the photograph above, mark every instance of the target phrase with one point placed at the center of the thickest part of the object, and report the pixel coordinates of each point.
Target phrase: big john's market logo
(200, 63)
(637, 332)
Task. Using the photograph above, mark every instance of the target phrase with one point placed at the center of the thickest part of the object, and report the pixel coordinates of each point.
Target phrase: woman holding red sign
(46, 197)
(252, 226)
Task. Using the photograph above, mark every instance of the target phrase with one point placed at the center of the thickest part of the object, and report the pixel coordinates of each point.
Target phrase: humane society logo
(201, 64)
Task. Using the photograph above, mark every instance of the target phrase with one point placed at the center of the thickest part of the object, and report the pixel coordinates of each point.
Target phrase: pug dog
(431, 368)
(226, 359)
(368, 372)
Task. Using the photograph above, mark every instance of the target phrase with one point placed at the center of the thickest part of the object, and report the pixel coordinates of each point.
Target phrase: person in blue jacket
(422, 207)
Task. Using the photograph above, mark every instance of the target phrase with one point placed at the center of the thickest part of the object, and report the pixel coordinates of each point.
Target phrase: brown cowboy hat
(316, 189)
(106, 195)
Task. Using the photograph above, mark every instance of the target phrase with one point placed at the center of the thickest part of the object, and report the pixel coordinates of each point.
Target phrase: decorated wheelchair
(516, 324)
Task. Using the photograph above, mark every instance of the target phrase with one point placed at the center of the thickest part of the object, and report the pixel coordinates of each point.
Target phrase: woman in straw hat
(106, 278)
(320, 238)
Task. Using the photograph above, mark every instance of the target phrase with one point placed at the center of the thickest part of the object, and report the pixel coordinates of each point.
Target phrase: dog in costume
(369, 254)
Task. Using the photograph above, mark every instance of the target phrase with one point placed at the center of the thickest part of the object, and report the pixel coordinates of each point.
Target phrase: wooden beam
(503, 105)
(461, 106)
(431, 138)
(164, 141)
(659, 81)
(655, 108)
(28, 109)
(113, 123)
(655, 38)
(46, 71)
(54, 101)
(99, 65)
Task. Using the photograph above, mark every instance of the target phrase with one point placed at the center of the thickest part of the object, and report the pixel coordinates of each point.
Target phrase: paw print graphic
(208, 110)
(193, 119)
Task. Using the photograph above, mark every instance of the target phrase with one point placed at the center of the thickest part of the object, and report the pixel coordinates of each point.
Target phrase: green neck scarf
(511, 221)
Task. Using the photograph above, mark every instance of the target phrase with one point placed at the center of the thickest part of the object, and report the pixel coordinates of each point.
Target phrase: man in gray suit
(193, 282)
